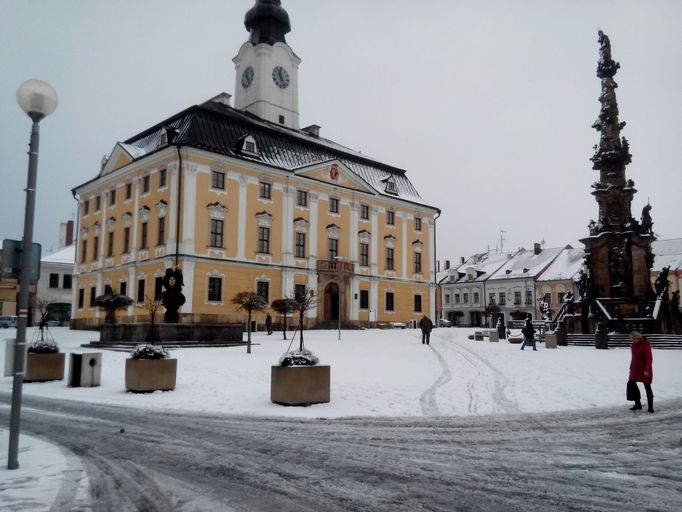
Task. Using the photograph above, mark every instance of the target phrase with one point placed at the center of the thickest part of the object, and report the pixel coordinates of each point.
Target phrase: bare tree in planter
(249, 302)
(43, 304)
(152, 306)
(303, 303)
(284, 307)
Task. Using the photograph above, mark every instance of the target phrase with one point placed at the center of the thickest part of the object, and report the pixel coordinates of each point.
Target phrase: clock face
(247, 77)
(280, 77)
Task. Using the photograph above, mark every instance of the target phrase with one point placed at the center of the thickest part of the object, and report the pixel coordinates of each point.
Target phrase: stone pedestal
(300, 385)
(601, 337)
(493, 335)
(550, 339)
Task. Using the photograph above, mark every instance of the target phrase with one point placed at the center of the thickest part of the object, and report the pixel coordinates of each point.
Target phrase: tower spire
(268, 22)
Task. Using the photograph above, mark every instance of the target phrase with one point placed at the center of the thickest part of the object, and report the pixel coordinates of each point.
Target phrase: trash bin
(550, 339)
(493, 335)
(85, 369)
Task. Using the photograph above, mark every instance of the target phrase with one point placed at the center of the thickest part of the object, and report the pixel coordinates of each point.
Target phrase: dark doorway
(331, 302)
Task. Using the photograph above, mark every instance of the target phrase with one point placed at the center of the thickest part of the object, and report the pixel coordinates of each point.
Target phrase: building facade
(243, 200)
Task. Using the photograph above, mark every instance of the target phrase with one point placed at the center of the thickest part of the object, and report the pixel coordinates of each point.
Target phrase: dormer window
(163, 137)
(249, 146)
(390, 185)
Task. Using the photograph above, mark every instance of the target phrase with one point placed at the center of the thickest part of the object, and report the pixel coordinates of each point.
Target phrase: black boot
(649, 397)
(637, 406)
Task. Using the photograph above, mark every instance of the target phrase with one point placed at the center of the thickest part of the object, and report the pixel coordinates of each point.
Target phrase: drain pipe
(179, 203)
(435, 268)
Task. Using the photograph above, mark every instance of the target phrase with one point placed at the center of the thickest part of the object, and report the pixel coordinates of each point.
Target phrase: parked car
(8, 321)
(444, 322)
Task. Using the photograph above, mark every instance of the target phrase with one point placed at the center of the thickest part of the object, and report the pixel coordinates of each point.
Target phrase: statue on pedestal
(172, 297)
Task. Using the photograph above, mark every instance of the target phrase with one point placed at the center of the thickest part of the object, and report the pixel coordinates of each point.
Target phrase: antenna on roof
(502, 239)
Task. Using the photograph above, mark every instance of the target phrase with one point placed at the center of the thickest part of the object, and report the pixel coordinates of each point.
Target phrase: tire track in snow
(428, 401)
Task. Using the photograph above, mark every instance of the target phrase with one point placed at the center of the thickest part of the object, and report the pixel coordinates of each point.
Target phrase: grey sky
(486, 104)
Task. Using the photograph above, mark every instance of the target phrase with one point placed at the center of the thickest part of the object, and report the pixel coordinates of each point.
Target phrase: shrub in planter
(44, 362)
(299, 358)
(299, 379)
(149, 368)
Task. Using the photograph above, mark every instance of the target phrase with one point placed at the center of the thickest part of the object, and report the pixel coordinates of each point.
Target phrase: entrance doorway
(331, 302)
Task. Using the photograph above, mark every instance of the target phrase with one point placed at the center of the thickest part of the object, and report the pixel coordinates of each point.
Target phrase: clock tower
(266, 67)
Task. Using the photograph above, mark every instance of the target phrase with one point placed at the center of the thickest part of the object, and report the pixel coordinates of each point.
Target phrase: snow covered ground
(374, 373)
(380, 373)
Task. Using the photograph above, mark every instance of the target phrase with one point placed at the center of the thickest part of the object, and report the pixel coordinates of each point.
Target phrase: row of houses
(519, 283)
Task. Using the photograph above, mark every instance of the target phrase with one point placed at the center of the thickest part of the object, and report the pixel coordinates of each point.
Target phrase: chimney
(223, 98)
(537, 248)
(65, 234)
(69, 233)
(461, 260)
(438, 266)
(313, 130)
(447, 264)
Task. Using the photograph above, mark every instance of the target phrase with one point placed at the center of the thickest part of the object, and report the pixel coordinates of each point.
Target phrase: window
(364, 255)
(215, 289)
(162, 231)
(145, 185)
(126, 240)
(300, 245)
(263, 289)
(477, 298)
(124, 288)
(84, 249)
(249, 146)
(417, 263)
(112, 197)
(162, 178)
(548, 298)
(158, 287)
(491, 298)
(218, 180)
(264, 240)
(299, 291)
(129, 190)
(98, 203)
(110, 244)
(417, 303)
(95, 248)
(517, 298)
(417, 224)
(265, 190)
(389, 301)
(456, 298)
(465, 298)
(529, 296)
(390, 187)
(447, 298)
(54, 281)
(302, 198)
(281, 119)
(140, 290)
(502, 298)
(93, 295)
(86, 206)
(333, 205)
(216, 238)
(389, 258)
(333, 249)
(81, 298)
(561, 297)
(66, 281)
(143, 242)
(364, 299)
(390, 218)
(364, 212)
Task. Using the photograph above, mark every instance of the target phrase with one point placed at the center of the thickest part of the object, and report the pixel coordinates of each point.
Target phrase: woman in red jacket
(641, 368)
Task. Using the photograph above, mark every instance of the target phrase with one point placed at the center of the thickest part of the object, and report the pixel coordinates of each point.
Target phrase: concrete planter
(44, 367)
(300, 385)
(147, 375)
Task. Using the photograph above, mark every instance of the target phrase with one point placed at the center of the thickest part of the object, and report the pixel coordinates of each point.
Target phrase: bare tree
(152, 306)
(43, 304)
(249, 302)
(284, 307)
(303, 303)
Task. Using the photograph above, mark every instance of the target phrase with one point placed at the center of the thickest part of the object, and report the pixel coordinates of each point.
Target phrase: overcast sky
(486, 104)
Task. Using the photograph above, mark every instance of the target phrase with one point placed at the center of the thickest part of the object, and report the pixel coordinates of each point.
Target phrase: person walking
(268, 323)
(528, 332)
(641, 370)
(426, 325)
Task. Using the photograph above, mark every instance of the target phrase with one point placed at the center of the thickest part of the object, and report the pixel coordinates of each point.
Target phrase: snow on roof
(482, 264)
(667, 253)
(526, 263)
(64, 255)
(565, 266)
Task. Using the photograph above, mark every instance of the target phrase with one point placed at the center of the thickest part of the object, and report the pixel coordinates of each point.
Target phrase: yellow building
(242, 199)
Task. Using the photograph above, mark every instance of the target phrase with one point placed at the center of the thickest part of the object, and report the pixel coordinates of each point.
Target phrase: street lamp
(339, 264)
(38, 99)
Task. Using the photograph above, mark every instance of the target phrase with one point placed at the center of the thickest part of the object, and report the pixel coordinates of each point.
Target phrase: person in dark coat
(641, 368)
(528, 332)
(268, 323)
(425, 324)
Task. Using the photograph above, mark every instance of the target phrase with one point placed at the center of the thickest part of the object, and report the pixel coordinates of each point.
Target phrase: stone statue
(661, 283)
(544, 309)
(172, 297)
(675, 301)
(646, 222)
(583, 285)
(569, 299)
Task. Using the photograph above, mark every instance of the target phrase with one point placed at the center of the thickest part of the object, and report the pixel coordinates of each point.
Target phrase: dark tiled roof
(218, 128)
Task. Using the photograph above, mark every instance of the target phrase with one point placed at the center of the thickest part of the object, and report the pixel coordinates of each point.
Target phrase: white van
(8, 321)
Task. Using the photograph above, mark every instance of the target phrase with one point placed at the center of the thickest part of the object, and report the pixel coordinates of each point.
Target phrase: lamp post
(339, 264)
(38, 99)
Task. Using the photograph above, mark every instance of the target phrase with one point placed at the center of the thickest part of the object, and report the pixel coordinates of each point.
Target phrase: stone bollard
(601, 336)
(550, 339)
(493, 335)
(561, 334)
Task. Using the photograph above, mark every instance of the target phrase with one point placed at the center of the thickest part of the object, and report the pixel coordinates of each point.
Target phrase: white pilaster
(173, 208)
(189, 209)
(188, 289)
(374, 249)
(241, 220)
(353, 237)
(403, 220)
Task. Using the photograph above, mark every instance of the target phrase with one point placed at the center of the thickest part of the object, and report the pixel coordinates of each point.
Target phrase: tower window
(265, 190)
(281, 119)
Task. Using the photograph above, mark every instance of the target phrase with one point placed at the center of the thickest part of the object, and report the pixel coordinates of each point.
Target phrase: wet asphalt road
(137, 460)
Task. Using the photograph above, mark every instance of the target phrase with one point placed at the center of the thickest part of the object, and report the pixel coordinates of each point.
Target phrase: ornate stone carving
(216, 210)
(364, 236)
(264, 219)
(390, 241)
(417, 246)
(144, 213)
(127, 218)
(161, 208)
(111, 224)
(301, 225)
(334, 231)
